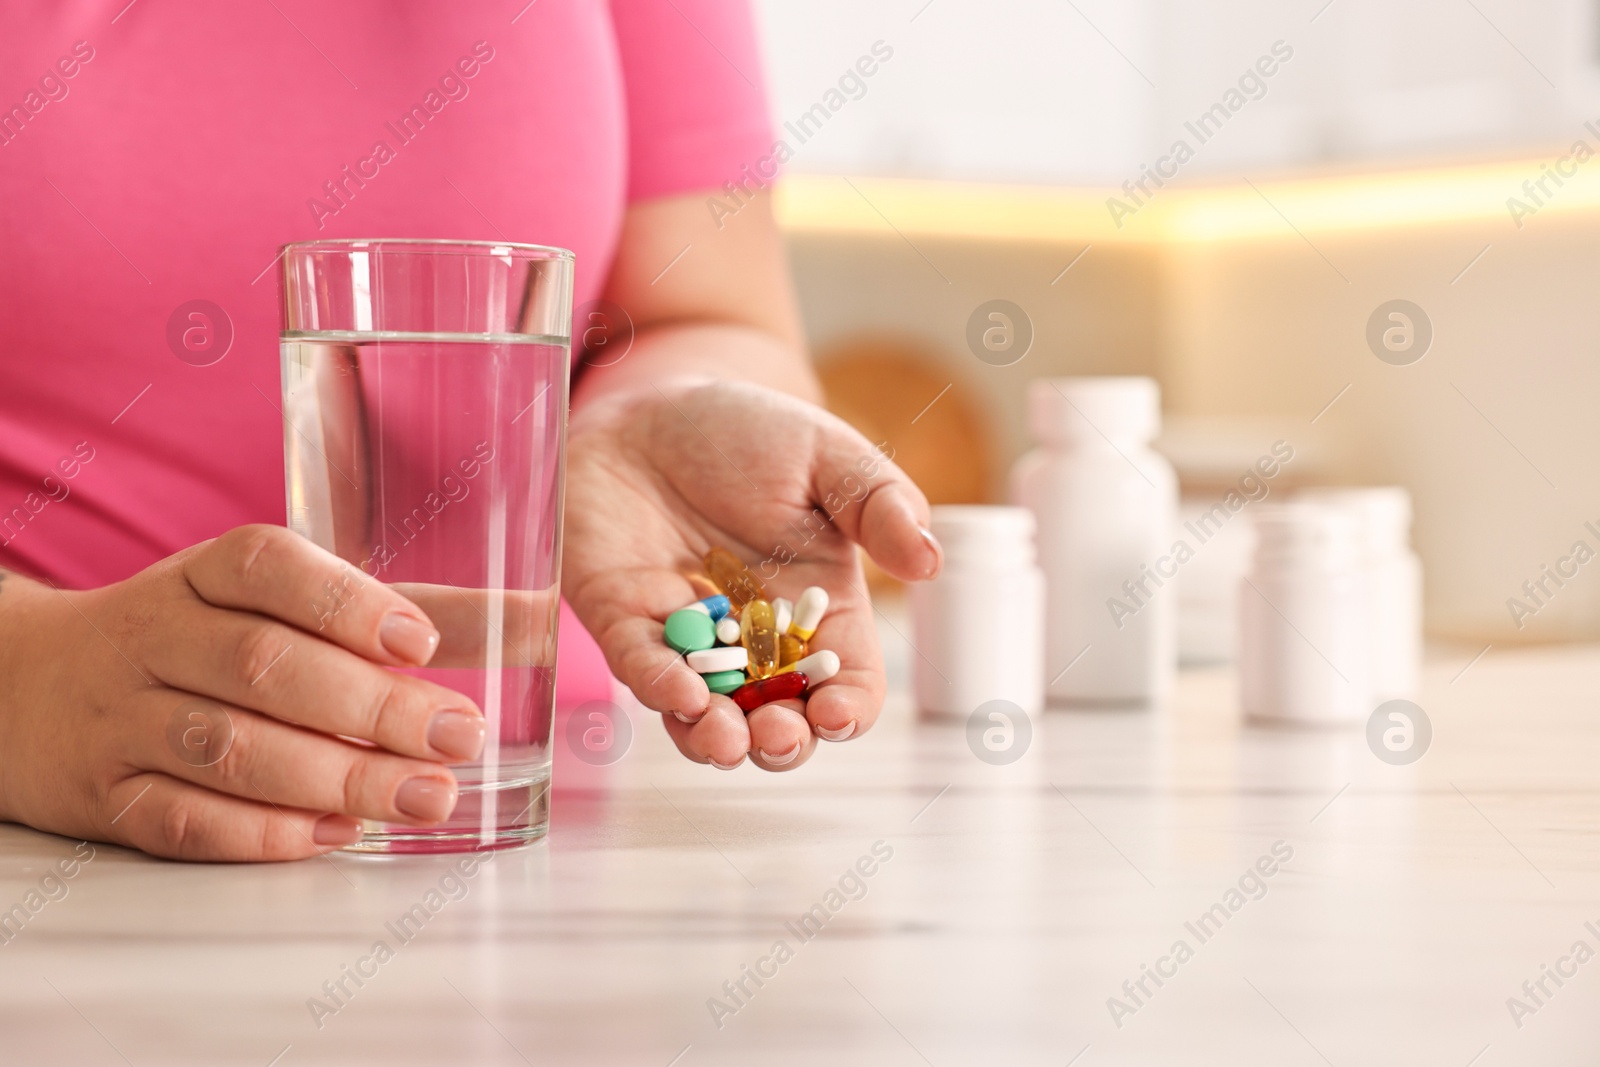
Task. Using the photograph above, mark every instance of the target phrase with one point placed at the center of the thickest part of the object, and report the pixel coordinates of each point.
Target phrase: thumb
(873, 502)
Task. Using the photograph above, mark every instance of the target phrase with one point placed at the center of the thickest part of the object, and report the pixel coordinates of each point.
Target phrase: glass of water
(425, 400)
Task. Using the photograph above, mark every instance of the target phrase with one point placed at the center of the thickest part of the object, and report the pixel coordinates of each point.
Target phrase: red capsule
(752, 695)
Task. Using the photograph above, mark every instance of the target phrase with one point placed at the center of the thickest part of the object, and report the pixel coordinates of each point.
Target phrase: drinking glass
(425, 398)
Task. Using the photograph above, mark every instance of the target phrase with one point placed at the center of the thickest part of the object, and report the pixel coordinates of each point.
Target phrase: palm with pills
(659, 475)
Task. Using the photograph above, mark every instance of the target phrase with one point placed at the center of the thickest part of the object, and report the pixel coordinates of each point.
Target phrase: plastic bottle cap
(984, 535)
(1070, 410)
(1384, 513)
(1306, 533)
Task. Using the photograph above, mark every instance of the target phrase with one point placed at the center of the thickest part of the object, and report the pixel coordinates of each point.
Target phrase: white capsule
(783, 614)
(697, 606)
(724, 658)
(728, 630)
(808, 612)
(817, 667)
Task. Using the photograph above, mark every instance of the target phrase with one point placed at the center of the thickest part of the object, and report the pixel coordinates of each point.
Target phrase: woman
(159, 155)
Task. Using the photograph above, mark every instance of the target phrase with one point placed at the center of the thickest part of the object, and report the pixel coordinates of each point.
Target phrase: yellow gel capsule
(733, 578)
(758, 631)
(791, 649)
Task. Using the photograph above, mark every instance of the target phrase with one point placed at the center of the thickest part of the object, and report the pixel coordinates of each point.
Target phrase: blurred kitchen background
(1376, 162)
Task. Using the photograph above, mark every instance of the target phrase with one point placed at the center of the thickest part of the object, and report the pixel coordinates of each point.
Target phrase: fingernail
(725, 766)
(336, 830)
(938, 551)
(681, 717)
(456, 733)
(408, 638)
(782, 758)
(836, 735)
(425, 799)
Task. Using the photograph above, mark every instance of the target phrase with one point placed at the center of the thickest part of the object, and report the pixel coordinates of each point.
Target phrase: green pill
(690, 631)
(724, 681)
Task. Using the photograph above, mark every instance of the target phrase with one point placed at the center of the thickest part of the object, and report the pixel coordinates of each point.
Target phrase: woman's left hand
(659, 474)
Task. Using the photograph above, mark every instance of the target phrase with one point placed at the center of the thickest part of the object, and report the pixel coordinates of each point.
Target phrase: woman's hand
(660, 474)
(197, 710)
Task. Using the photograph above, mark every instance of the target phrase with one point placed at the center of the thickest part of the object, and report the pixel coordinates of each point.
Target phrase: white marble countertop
(1016, 901)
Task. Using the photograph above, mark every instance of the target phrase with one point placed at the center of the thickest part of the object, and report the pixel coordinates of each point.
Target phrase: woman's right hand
(199, 709)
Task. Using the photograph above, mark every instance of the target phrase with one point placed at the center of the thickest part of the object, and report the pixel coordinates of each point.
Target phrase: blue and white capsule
(715, 606)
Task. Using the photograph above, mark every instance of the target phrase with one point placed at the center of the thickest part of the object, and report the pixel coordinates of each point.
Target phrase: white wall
(1036, 90)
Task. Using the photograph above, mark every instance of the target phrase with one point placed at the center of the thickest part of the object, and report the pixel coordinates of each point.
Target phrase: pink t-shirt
(158, 152)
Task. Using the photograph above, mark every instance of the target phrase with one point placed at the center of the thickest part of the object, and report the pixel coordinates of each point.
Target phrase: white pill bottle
(1303, 644)
(1106, 506)
(977, 629)
(1394, 582)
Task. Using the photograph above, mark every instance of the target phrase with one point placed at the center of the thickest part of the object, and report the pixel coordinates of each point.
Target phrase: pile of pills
(750, 648)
